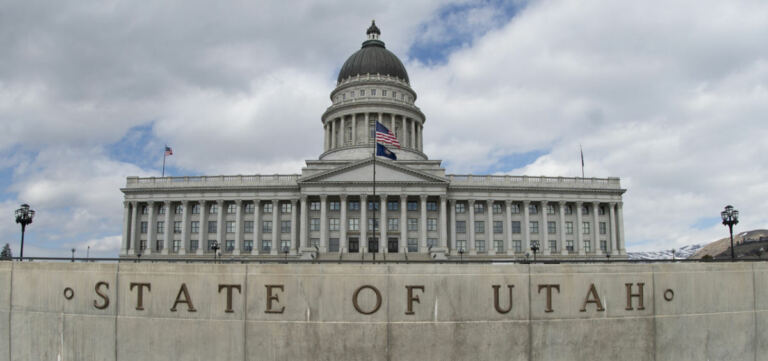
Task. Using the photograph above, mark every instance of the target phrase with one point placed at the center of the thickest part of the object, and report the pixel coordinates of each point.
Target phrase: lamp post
(534, 249)
(730, 218)
(673, 254)
(24, 217)
(73, 255)
(285, 252)
(215, 248)
(461, 255)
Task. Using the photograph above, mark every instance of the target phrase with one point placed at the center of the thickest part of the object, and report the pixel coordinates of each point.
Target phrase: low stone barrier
(130, 311)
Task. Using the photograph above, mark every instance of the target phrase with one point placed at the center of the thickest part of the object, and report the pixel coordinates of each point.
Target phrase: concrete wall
(719, 311)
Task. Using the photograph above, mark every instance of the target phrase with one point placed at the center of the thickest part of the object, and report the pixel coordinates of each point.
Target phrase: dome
(373, 58)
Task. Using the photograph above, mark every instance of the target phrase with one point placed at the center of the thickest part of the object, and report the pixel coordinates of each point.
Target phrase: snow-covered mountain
(680, 253)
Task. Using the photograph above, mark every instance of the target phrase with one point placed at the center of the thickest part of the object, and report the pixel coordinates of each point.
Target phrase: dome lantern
(373, 31)
(373, 58)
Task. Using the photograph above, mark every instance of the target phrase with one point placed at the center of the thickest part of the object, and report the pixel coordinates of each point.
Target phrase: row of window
(533, 227)
(266, 227)
(498, 207)
(231, 208)
(373, 93)
(229, 245)
(517, 245)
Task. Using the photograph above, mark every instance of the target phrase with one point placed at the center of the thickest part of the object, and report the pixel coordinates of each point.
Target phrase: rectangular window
(498, 245)
(431, 242)
(393, 224)
(479, 208)
(534, 227)
(161, 210)
(516, 227)
(231, 208)
(551, 227)
(333, 244)
(550, 209)
(143, 244)
(461, 227)
(248, 245)
(229, 245)
(373, 205)
(552, 245)
(179, 209)
(480, 245)
(334, 205)
(413, 224)
(392, 205)
(285, 226)
(230, 226)
(286, 207)
(144, 210)
(177, 227)
(568, 210)
(479, 226)
(514, 208)
(587, 246)
(333, 224)
(267, 207)
(176, 245)
(373, 92)
(195, 226)
(585, 227)
(314, 206)
(213, 209)
(314, 224)
(498, 227)
(431, 224)
(372, 222)
(532, 209)
(354, 224)
(196, 209)
(568, 227)
(497, 207)
(601, 211)
(461, 245)
(362, 92)
(248, 227)
(354, 205)
(384, 92)
(249, 208)
(159, 245)
(569, 245)
(193, 244)
(431, 206)
(413, 206)
(285, 246)
(603, 245)
(266, 227)
(160, 227)
(413, 245)
(603, 228)
(585, 210)
(143, 227)
(460, 207)
(211, 226)
(517, 245)
(266, 245)
(314, 242)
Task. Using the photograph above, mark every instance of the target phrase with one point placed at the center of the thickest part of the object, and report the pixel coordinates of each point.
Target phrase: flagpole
(374, 193)
(581, 151)
(164, 155)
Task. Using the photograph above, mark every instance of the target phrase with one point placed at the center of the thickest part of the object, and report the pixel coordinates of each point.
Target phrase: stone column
(151, 228)
(134, 242)
(354, 129)
(596, 228)
(423, 225)
(333, 133)
(343, 128)
(612, 230)
(238, 227)
(323, 224)
(184, 228)
(383, 223)
(404, 222)
(443, 224)
(168, 230)
(561, 208)
(579, 231)
(412, 143)
(363, 222)
(257, 227)
(202, 239)
(544, 230)
(126, 228)
(620, 212)
(294, 215)
(452, 204)
(526, 227)
(508, 226)
(489, 227)
(220, 234)
(343, 224)
(303, 232)
(367, 132)
(275, 227)
(471, 227)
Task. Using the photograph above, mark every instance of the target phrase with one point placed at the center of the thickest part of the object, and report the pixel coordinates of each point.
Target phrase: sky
(670, 96)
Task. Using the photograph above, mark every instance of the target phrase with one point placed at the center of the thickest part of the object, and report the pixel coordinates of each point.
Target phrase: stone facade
(334, 209)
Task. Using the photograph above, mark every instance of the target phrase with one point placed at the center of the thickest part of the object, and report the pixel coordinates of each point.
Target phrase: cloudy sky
(671, 96)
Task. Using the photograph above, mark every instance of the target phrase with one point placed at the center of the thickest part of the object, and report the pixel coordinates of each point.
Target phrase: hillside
(746, 243)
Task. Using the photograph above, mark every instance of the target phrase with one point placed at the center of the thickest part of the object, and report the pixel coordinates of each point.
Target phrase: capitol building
(331, 210)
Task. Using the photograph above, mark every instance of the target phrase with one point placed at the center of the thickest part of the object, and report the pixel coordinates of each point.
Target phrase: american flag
(385, 136)
(168, 150)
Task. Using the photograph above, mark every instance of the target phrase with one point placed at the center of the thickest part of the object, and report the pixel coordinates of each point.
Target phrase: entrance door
(373, 245)
(354, 244)
(392, 245)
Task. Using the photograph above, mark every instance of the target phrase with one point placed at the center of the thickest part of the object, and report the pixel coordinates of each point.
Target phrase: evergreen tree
(6, 253)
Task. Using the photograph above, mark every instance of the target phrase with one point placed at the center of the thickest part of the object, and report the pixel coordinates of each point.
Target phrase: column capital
(219, 202)
(127, 203)
(323, 197)
(294, 201)
(443, 197)
(343, 196)
(184, 202)
(619, 204)
(304, 197)
(490, 203)
(544, 202)
(579, 203)
(451, 201)
(202, 202)
(507, 202)
(612, 203)
(363, 197)
(561, 203)
(471, 202)
(403, 197)
(168, 203)
(238, 201)
(150, 203)
(526, 203)
(423, 197)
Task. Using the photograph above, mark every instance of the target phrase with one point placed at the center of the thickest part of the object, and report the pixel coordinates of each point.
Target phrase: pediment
(362, 172)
